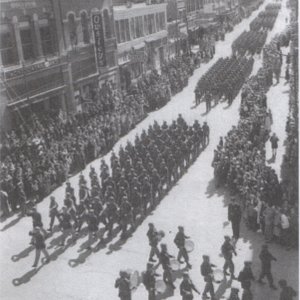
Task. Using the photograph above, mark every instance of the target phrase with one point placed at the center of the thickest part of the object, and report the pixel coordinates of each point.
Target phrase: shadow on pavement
(12, 223)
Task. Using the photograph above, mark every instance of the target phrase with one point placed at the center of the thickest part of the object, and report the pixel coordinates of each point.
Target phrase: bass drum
(160, 286)
(189, 246)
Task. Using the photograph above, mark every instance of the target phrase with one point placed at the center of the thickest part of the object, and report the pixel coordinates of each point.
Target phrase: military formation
(266, 19)
(249, 42)
(223, 80)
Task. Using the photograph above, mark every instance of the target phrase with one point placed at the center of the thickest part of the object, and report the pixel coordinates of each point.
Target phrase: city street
(79, 274)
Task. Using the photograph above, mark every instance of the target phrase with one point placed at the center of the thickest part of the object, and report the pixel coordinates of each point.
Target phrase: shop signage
(99, 40)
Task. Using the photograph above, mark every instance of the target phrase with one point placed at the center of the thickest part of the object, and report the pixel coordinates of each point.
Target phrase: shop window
(72, 30)
(8, 54)
(85, 27)
(27, 44)
(47, 42)
(107, 24)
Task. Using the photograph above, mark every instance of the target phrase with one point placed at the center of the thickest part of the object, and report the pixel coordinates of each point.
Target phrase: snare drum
(189, 245)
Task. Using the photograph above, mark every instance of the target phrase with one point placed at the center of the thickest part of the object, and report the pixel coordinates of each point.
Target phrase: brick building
(48, 56)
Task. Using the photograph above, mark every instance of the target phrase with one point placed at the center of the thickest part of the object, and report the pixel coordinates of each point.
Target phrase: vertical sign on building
(99, 40)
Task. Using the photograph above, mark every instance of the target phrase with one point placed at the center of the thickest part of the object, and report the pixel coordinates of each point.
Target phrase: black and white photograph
(149, 150)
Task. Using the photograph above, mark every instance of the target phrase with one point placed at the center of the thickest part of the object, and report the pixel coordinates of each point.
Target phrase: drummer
(165, 262)
(207, 273)
(187, 287)
(180, 243)
(123, 284)
(153, 238)
(149, 281)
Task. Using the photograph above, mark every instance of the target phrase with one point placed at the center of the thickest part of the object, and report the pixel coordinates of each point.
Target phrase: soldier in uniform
(149, 281)
(123, 284)
(165, 262)
(266, 258)
(187, 287)
(234, 216)
(207, 273)
(227, 250)
(205, 129)
(53, 212)
(39, 242)
(153, 238)
(180, 243)
(246, 275)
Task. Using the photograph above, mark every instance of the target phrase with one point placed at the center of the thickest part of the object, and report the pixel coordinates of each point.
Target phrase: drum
(218, 275)
(160, 235)
(189, 245)
(175, 265)
(160, 286)
(134, 279)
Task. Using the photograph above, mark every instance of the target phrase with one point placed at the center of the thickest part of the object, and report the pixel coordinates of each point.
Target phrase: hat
(180, 227)
(185, 274)
(227, 237)
(265, 246)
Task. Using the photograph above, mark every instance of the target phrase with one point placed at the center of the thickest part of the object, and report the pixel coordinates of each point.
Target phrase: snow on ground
(193, 203)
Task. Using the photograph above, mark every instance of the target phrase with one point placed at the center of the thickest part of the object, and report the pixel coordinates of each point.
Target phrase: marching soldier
(227, 250)
(153, 238)
(207, 273)
(53, 213)
(165, 262)
(39, 242)
(187, 287)
(180, 243)
(149, 281)
(234, 216)
(123, 284)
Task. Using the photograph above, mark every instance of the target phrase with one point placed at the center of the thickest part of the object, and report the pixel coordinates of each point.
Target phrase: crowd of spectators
(240, 165)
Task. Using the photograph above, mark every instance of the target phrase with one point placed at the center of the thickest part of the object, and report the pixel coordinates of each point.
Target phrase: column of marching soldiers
(141, 175)
(223, 81)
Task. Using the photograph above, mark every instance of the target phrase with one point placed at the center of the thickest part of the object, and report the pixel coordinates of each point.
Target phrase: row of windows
(136, 27)
(192, 5)
(85, 27)
(9, 54)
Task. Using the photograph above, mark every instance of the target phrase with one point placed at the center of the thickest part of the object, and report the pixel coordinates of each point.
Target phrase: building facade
(48, 59)
(141, 32)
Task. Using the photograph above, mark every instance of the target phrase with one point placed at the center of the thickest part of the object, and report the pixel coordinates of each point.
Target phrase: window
(160, 21)
(151, 24)
(139, 27)
(127, 30)
(72, 30)
(107, 24)
(146, 25)
(27, 44)
(47, 42)
(132, 29)
(8, 53)
(122, 30)
(118, 31)
(85, 27)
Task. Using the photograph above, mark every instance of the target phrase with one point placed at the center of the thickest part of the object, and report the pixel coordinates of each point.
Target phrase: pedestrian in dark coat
(266, 259)
(152, 235)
